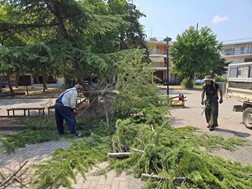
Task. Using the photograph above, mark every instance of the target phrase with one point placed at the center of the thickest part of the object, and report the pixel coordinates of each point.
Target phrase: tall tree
(130, 35)
(84, 27)
(196, 52)
(13, 61)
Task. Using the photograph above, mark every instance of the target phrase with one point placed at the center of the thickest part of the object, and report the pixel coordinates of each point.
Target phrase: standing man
(65, 108)
(211, 89)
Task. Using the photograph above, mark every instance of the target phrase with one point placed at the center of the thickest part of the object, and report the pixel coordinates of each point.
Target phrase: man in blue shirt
(65, 108)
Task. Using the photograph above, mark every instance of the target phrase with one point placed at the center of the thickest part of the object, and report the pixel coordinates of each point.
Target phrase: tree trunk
(1, 85)
(44, 83)
(79, 75)
(17, 80)
(190, 82)
(10, 87)
(27, 90)
(212, 75)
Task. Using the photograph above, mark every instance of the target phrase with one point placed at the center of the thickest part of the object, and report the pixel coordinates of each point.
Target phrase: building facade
(237, 52)
(239, 74)
(158, 57)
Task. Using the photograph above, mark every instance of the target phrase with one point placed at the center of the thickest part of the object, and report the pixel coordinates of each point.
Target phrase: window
(242, 50)
(243, 72)
(233, 72)
(228, 51)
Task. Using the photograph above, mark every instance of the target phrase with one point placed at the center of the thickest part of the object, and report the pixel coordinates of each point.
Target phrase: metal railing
(158, 52)
(159, 64)
(236, 52)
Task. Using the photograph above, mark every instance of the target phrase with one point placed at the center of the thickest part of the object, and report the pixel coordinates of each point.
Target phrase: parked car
(4, 84)
(172, 82)
(198, 82)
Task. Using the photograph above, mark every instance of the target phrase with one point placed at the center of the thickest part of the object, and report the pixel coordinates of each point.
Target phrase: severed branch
(123, 154)
(13, 175)
(119, 155)
(100, 92)
(156, 177)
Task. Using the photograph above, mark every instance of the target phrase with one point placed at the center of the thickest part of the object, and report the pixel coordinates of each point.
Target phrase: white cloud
(219, 19)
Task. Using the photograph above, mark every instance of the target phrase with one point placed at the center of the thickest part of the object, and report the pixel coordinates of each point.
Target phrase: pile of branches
(171, 157)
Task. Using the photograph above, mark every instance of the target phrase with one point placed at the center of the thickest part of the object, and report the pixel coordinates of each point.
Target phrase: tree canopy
(83, 31)
(197, 52)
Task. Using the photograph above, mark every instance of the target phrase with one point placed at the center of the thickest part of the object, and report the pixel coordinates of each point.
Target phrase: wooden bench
(26, 111)
(79, 101)
(50, 108)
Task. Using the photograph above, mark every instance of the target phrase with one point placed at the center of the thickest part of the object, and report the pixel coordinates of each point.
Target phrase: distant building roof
(237, 42)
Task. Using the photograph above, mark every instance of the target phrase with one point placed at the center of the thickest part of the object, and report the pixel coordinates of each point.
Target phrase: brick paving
(39, 152)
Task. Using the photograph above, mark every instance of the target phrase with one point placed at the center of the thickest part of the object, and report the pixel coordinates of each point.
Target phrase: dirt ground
(33, 92)
(35, 97)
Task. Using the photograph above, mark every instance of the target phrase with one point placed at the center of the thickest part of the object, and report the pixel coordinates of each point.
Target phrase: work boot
(211, 128)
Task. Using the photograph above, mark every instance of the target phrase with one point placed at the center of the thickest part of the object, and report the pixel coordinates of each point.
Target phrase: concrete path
(230, 122)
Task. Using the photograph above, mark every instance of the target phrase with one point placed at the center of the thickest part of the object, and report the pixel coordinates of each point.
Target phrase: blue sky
(230, 20)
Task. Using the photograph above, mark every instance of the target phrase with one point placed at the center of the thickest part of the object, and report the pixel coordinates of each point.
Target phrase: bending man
(65, 108)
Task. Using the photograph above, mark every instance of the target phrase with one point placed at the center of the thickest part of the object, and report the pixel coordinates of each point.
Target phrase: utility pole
(167, 39)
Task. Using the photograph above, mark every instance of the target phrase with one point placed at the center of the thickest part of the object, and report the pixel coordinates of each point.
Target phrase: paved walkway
(230, 122)
(38, 152)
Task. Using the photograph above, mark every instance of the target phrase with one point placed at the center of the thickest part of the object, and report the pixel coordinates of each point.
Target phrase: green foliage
(78, 157)
(138, 93)
(185, 82)
(36, 130)
(65, 164)
(197, 52)
(171, 153)
(220, 79)
(14, 141)
(74, 31)
(12, 60)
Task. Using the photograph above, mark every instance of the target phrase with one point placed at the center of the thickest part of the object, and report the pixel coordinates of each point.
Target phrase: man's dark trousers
(61, 113)
(211, 112)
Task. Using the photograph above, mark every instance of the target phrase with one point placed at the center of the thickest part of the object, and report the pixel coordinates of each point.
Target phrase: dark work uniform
(211, 103)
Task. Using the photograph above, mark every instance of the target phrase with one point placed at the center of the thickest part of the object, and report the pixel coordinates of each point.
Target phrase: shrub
(220, 79)
(185, 82)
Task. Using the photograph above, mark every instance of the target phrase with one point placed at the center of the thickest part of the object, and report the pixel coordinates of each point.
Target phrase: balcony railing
(236, 52)
(158, 52)
(159, 64)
